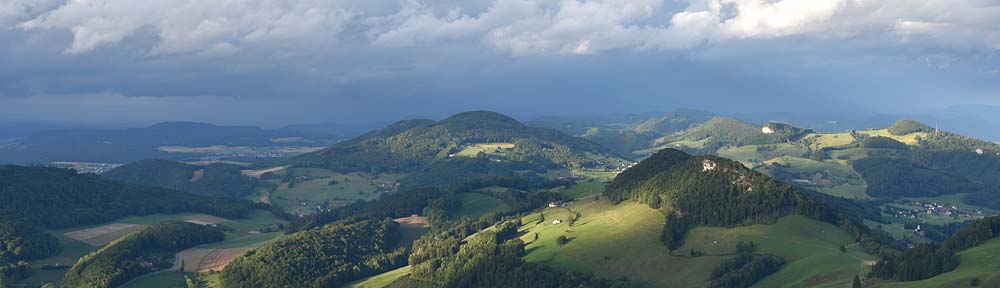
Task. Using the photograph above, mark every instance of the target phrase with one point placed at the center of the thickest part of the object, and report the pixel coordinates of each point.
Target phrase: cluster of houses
(931, 208)
(87, 167)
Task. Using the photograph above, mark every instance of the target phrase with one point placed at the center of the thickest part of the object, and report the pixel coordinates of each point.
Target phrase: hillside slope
(36, 198)
(408, 145)
(214, 179)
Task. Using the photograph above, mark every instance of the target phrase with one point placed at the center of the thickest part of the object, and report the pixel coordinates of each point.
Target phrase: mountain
(678, 120)
(723, 131)
(125, 145)
(215, 179)
(578, 125)
(409, 145)
(36, 198)
(340, 130)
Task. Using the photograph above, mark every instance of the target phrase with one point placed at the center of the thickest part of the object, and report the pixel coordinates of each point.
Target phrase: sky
(277, 62)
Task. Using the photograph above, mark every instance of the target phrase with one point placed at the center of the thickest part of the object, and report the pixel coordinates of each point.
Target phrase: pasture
(824, 140)
(752, 155)
(581, 189)
(381, 280)
(826, 177)
(475, 205)
(622, 240)
(318, 187)
(471, 150)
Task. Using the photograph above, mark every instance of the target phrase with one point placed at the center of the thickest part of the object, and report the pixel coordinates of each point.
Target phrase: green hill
(722, 131)
(408, 146)
(675, 121)
(717, 192)
(213, 180)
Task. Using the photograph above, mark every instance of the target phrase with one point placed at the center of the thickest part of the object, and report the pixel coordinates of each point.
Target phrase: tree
(562, 240)
(857, 282)
(541, 218)
(842, 249)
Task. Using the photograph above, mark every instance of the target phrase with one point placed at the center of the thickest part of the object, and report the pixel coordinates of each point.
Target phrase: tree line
(133, 255)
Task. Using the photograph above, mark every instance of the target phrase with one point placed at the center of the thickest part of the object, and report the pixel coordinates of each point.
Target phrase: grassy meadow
(475, 205)
(616, 241)
(319, 189)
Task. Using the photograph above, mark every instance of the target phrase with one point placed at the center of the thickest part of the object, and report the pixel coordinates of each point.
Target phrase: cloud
(192, 25)
(520, 27)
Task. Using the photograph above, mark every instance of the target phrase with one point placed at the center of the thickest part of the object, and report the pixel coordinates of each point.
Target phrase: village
(917, 209)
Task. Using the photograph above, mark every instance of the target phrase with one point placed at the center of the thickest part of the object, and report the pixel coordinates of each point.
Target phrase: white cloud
(520, 27)
(192, 25)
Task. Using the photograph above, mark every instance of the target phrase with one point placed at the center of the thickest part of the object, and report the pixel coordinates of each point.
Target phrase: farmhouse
(556, 222)
(707, 165)
(767, 130)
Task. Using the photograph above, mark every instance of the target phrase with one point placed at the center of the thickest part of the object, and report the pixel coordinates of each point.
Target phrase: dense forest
(216, 179)
(330, 256)
(891, 177)
(408, 146)
(33, 198)
(141, 252)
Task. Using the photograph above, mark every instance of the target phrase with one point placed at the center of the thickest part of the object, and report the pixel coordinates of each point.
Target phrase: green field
(613, 241)
(306, 195)
(158, 280)
(909, 139)
(488, 148)
(381, 280)
(581, 189)
(820, 141)
(837, 180)
(981, 262)
(478, 204)
(809, 247)
(750, 155)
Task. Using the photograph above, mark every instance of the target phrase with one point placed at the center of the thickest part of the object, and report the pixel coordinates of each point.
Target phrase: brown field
(197, 175)
(257, 173)
(203, 219)
(203, 260)
(102, 235)
(412, 221)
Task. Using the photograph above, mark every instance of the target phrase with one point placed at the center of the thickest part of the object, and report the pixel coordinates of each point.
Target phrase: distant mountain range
(124, 145)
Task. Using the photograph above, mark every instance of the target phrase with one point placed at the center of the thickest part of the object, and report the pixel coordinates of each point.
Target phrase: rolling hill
(409, 145)
(36, 198)
(216, 179)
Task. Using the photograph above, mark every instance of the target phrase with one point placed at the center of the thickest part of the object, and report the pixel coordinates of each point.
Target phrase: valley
(626, 216)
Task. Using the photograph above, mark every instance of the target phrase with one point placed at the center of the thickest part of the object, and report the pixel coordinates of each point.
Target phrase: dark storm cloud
(275, 62)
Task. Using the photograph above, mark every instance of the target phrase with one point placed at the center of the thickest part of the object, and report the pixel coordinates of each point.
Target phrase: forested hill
(728, 131)
(715, 191)
(36, 198)
(409, 145)
(678, 120)
(216, 179)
